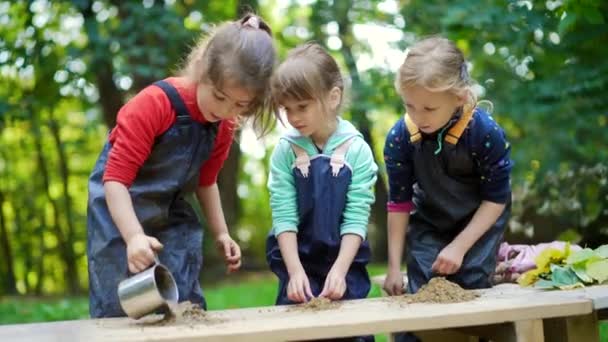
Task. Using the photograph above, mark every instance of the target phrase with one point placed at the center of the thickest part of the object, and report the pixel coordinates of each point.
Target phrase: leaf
(545, 284)
(563, 276)
(567, 23)
(581, 273)
(598, 270)
(550, 256)
(572, 287)
(580, 256)
(593, 15)
(529, 277)
(602, 251)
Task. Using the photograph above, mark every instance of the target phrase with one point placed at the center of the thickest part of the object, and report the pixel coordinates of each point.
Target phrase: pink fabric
(520, 258)
(403, 207)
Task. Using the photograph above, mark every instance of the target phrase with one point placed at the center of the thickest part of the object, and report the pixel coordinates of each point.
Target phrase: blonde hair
(241, 52)
(308, 73)
(436, 64)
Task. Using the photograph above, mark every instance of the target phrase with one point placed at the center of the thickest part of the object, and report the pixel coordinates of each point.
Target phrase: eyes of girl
(221, 98)
(426, 109)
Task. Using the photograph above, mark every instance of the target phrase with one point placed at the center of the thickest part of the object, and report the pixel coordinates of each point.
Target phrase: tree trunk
(9, 283)
(69, 275)
(378, 212)
(110, 97)
(228, 183)
(68, 248)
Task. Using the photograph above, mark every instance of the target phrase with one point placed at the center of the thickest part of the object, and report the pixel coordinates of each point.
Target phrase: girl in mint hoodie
(321, 180)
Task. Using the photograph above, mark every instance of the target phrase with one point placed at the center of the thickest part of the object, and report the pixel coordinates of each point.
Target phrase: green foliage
(560, 269)
(569, 199)
(67, 66)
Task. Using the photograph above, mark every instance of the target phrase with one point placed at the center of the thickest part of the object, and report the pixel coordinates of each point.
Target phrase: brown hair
(437, 64)
(241, 52)
(309, 72)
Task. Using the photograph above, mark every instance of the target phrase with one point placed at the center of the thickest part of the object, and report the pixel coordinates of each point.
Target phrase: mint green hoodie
(360, 196)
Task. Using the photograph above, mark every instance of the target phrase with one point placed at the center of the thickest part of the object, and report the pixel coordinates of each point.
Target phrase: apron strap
(302, 159)
(455, 132)
(176, 100)
(338, 157)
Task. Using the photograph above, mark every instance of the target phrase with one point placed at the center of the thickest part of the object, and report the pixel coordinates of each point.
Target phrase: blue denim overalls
(322, 184)
(447, 195)
(159, 192)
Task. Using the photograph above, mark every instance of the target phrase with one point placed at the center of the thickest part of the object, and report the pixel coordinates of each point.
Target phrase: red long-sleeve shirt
(148, 115)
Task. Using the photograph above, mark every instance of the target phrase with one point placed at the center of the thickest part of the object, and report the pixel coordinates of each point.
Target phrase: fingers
(398, 288)
(394, 287)
(307, 289)
(233, 258)
(444, 266)
(334, 288)
(234, 252)
(226, 248)
(138, 265)
(298, 290)
(338, 292)
(155, 244)
(325, 290)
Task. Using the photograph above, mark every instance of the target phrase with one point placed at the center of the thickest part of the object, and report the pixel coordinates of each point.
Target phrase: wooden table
(568, 328)
(529, 310)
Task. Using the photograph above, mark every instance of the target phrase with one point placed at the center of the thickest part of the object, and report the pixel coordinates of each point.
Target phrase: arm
(360, 193)
(140, 247)
(399, 168)
(211, 205)
(491, 152)
(139, 121)
(335, 282)
(397, 228)
(283, 203)
(485, 216)
(450, 258)
(282, 189)
(353, 229)
(298, 288)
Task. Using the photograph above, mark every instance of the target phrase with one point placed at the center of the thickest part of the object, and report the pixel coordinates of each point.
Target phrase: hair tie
(253, 21)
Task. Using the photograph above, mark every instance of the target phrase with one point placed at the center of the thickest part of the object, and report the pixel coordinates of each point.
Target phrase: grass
(246, 290)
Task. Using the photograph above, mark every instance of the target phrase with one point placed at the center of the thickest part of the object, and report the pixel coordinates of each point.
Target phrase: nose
(415, 118)
(228, 110)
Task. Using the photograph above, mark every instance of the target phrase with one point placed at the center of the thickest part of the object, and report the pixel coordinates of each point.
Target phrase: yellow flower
(529, 277)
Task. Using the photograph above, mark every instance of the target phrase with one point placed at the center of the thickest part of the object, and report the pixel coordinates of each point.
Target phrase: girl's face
(429, 110)
(220, 104)
(306, 116)
(309, 116)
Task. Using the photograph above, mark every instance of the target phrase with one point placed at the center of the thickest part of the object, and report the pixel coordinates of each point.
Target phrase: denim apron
(447, 195)
(159, 192)
(322, 183)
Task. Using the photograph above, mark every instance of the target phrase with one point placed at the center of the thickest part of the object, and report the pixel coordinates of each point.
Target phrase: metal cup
(148, 291)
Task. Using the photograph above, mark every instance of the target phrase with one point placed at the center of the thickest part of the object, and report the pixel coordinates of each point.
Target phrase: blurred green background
(66, 67)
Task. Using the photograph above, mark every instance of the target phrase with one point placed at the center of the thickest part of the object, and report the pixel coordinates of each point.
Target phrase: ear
(461, 98)
(335, 97)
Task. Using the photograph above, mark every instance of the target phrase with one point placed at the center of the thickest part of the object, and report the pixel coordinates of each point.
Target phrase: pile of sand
(440, 290)
(184, 313)
(316, 304)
